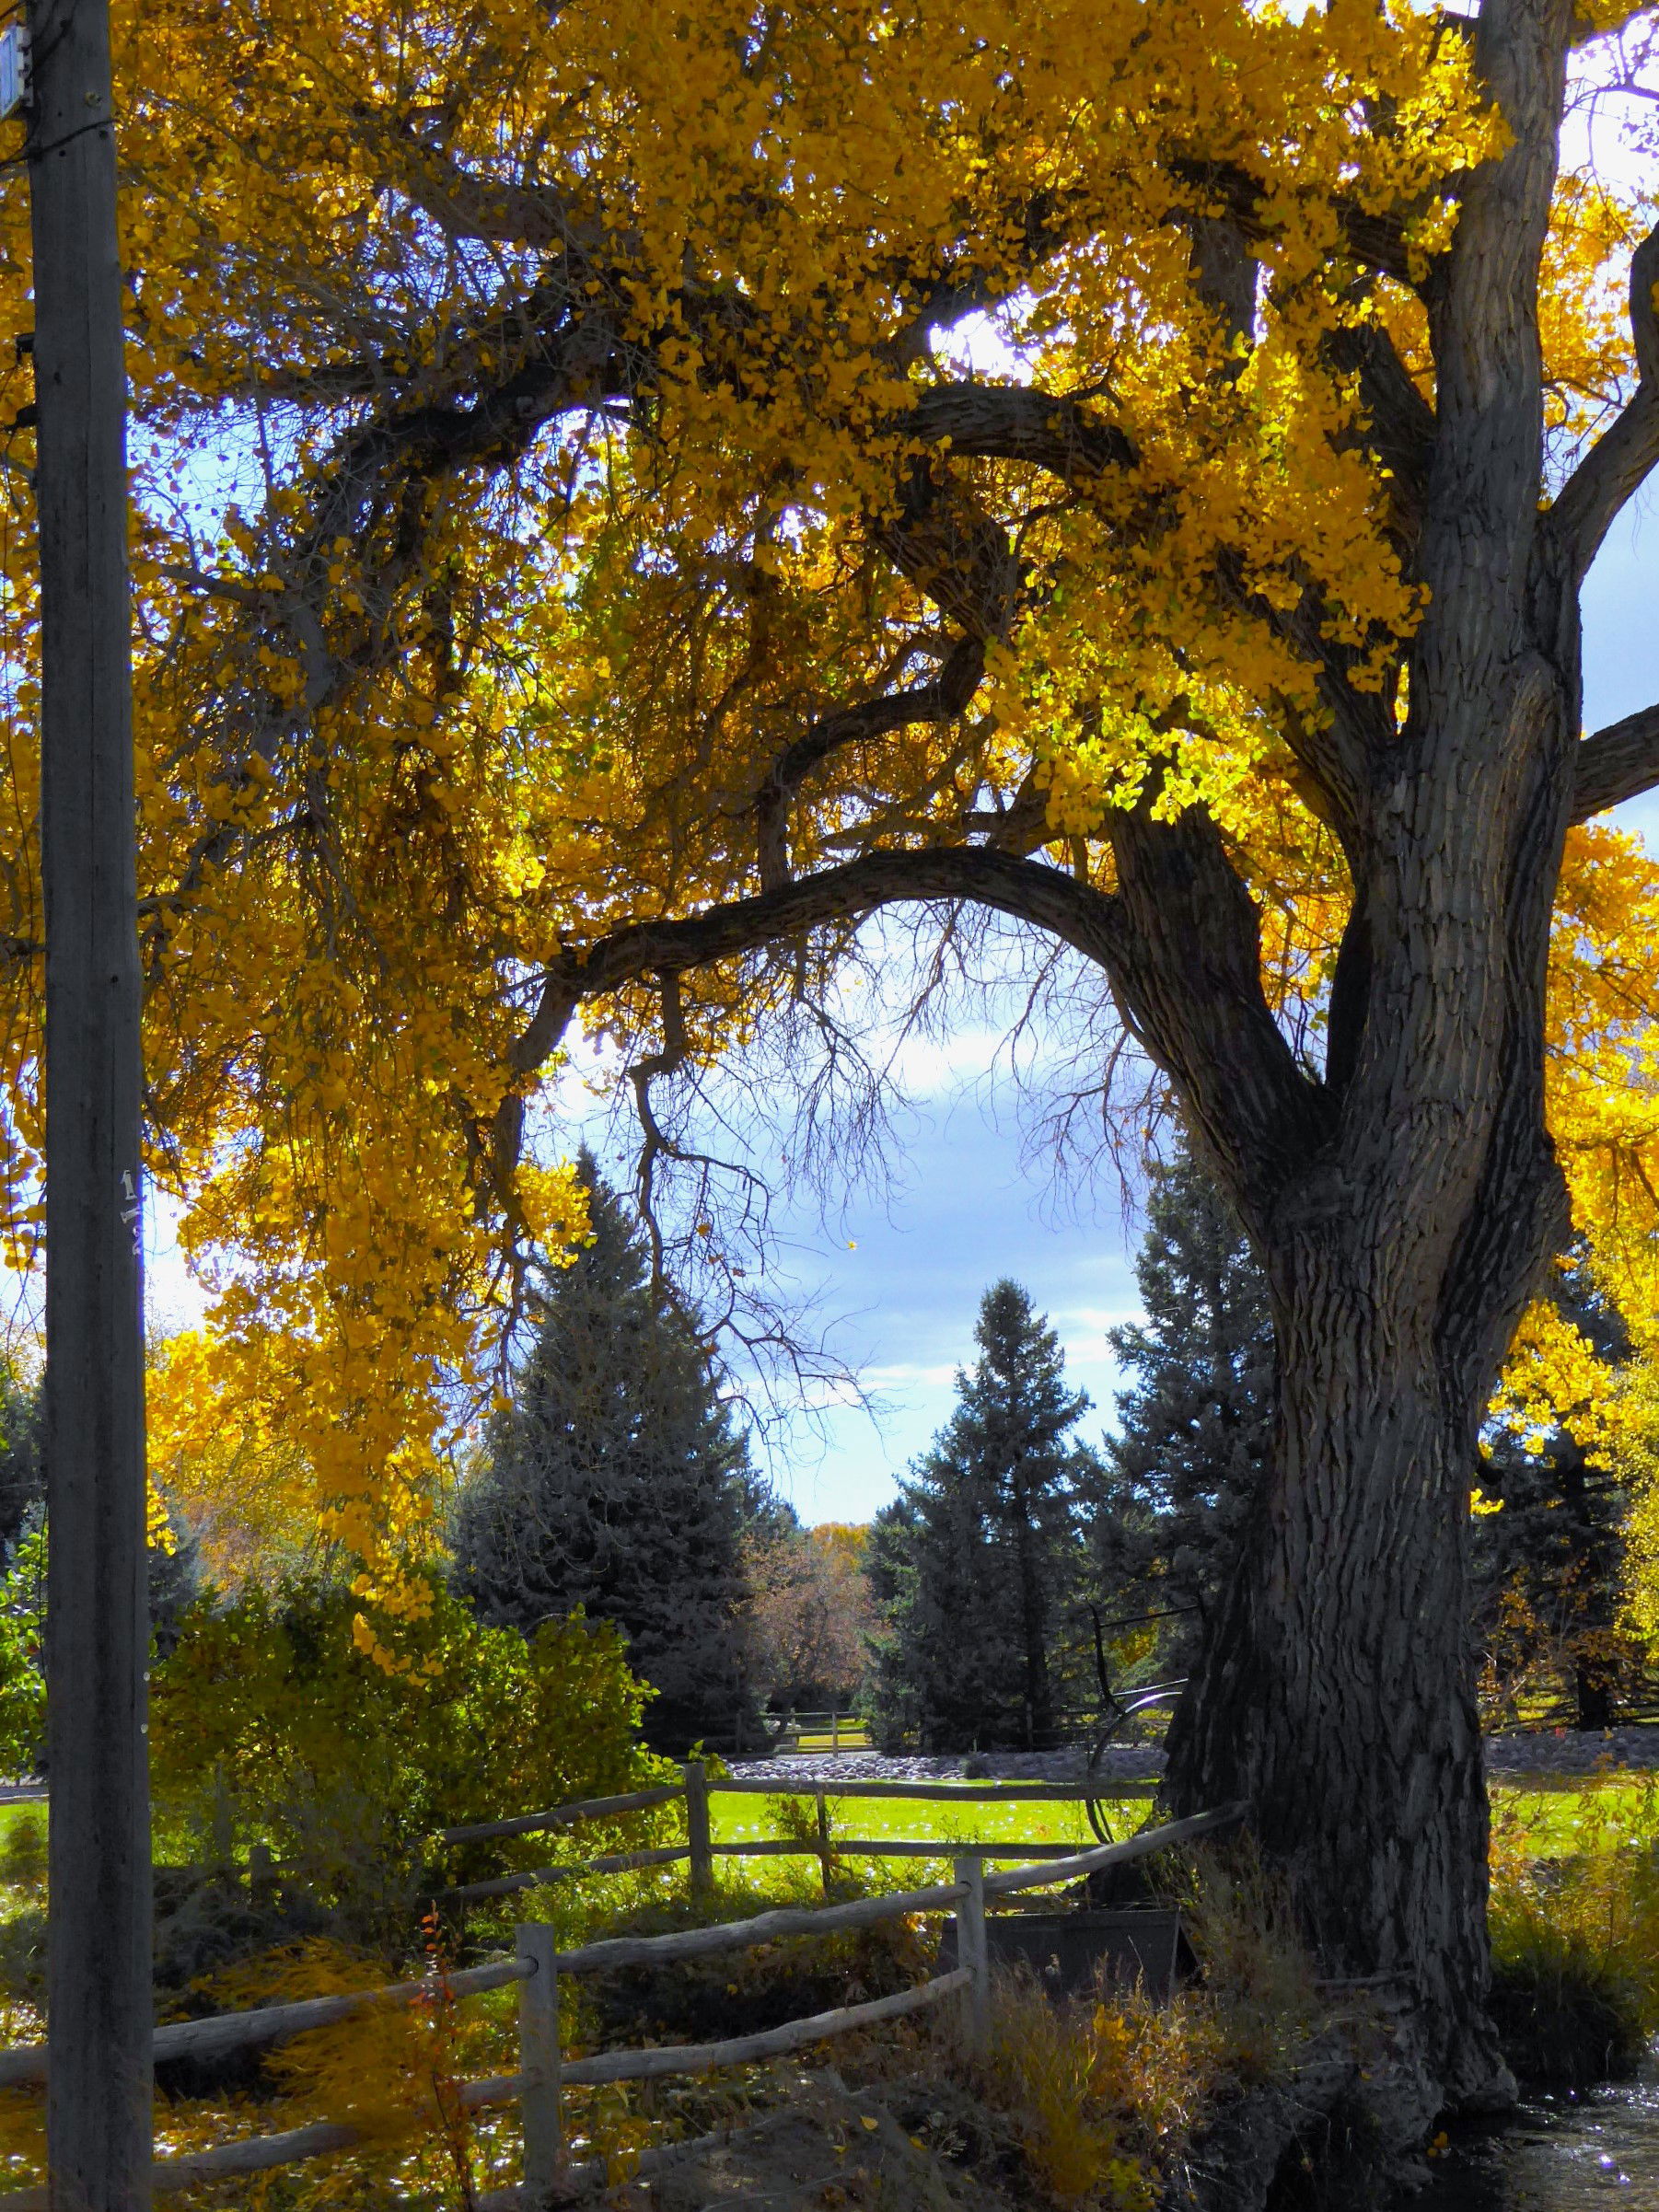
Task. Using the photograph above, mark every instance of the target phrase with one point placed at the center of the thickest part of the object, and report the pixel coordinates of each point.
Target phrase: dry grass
(1103, 2095)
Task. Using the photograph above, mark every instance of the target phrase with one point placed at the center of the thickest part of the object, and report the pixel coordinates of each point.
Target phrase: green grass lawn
(1576, 1814)
(1582, 1812)
(852, 1818)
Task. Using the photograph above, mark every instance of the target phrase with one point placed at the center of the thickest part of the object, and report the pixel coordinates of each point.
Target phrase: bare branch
(1180, 945)
(1623, 457)
(943, 697)
(1616, 763)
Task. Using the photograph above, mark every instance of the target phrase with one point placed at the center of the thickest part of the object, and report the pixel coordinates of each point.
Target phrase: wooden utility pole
(98, 1617)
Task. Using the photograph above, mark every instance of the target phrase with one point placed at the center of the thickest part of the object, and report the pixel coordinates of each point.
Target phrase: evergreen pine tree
(975, 1565)
(1186, 1467)
(615, 1481)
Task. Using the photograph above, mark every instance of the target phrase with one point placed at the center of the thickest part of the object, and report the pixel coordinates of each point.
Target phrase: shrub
(1106, 2095)
(269, 1716)
(22, 1673)
(1062, 2073)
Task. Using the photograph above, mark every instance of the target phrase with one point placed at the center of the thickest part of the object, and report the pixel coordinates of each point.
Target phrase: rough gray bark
(98, 2094)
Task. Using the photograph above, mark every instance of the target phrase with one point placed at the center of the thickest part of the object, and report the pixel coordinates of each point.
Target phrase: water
(1584, 2153)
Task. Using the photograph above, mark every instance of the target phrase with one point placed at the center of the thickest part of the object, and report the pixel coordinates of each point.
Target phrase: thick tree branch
(1188, 976)
(1616, 763)
(492, 210)
(1082, 917)
(1399, 423)
(1377, 241)
(1012, 423)
(1625, 456)
(1179, 945)
(941, 538)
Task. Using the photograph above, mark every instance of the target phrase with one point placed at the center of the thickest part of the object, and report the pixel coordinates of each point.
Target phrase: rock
(826, 2147)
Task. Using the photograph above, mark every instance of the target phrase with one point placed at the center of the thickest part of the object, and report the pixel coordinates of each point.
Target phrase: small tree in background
(615, 1482)
(1182, 1475)
(811, 1613)
(975, 1565)
(1548, 1556)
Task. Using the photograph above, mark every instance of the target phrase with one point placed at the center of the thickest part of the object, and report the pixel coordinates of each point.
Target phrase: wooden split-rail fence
(536, 1965)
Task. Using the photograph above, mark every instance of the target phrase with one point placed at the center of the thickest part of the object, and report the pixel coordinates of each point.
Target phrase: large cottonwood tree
(632, 591)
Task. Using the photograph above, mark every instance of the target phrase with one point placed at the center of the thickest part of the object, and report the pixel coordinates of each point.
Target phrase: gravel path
(1555, 1751)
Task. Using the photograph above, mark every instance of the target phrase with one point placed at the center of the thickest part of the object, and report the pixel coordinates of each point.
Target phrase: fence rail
(535, 1966)
(226, 2032)
(954, 1793)
(563, 1816)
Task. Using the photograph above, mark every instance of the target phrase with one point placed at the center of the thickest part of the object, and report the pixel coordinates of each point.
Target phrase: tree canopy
(562, 515)
(579, 568)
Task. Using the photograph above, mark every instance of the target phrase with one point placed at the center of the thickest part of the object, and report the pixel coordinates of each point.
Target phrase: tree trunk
(1403, 1227)
(1038, 1696)
(1593, 1696)
(1336, 1683)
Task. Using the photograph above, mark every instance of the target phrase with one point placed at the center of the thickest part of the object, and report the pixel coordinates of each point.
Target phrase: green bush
(22, 1670)
(269, 1723)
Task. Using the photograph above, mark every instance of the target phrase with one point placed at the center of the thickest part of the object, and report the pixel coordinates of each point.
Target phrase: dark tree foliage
(22, 1473)
(175, 1567)
(1185, 1470)
(615, 1482)
(975, 1567)
(1547, 1569)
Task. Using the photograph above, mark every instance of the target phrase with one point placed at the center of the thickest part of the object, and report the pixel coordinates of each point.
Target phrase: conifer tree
(975, 1565)
(1186, 1468)
(615, 1482)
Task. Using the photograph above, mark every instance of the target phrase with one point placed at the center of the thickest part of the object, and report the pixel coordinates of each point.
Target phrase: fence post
(697, 1828)
(539, 2062)
(972, 1953)
(835, 1729)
